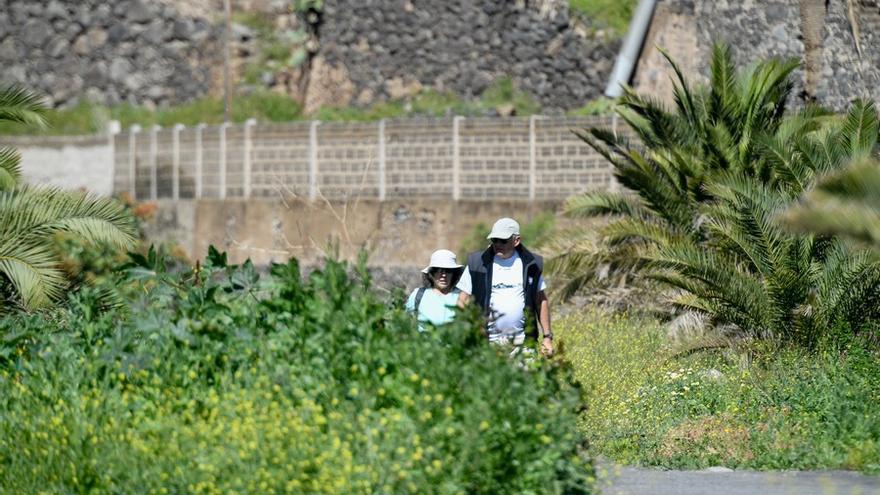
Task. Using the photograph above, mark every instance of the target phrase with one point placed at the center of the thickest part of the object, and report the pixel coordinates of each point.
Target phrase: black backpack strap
(418, 301)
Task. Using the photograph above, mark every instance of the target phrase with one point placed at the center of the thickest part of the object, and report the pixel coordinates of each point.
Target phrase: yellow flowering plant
(225, 381)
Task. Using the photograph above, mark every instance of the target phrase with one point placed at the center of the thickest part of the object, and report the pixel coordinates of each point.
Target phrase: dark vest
(480, 267)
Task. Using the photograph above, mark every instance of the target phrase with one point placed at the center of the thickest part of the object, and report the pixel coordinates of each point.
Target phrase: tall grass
(791, 410)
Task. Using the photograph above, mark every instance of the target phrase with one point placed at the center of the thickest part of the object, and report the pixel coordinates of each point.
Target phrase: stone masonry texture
(757, 30)
(390, 47)
(134, 51)
(159, 52)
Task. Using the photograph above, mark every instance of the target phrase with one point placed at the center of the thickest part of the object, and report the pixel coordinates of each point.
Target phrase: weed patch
(785, 410)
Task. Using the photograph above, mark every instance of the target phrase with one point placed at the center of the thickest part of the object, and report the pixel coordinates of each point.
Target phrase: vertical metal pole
(381, 154)
(248, 149)
(533, 158)
(222, 185)
(200, 129)
(132, 160)
(113, 128)
(154, 162)
(227, 35)
(456, 159)
(175, 161)
(313, 160)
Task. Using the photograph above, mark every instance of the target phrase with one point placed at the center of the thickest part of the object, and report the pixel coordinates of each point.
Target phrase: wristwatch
(548, 335)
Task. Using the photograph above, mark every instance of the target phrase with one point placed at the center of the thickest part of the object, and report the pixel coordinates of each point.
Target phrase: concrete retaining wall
(68, 162)
(395, 233)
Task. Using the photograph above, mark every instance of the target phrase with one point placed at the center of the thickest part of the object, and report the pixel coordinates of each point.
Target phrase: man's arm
(466, 287)
(544, 319)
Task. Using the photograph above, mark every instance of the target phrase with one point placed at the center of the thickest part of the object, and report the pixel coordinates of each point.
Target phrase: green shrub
(791, 410)
(88, 118)
(611, 14)
(221, 381)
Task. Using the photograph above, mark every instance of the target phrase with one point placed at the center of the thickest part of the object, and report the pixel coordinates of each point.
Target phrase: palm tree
(703, 186)
(714, 131)
(30, 276)
(845, 203)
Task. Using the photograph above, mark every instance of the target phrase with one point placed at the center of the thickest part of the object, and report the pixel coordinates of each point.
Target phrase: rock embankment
(133, 51)
(387, 50)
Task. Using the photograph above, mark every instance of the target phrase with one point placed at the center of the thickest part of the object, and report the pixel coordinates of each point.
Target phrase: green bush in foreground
(222, 382)
(789, 411)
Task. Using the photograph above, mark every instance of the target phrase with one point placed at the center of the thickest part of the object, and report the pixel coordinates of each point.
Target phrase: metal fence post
(456, 159)
(381, 153)
(113, 128)
(154, 162)
(200, 129)
(132, 160)
(313, 160)
(533, 157)
(222, 181)
(175, 161)
(248, 147)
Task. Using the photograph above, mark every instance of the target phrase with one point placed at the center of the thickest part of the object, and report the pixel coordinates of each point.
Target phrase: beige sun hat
(443, 258)
(504, 228)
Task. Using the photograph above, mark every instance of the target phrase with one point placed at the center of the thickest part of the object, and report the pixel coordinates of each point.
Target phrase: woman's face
(442, 278)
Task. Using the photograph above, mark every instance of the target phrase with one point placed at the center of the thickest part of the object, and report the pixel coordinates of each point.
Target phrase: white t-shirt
(464, 283)
(507, 301)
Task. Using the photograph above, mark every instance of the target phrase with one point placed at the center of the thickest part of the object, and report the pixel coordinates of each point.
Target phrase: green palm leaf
(18, 104)
(860, 128)
(32, 268)
(10, 169)
(596, 203)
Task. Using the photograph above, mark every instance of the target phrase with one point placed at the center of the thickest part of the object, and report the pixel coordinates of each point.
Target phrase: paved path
(619, 480)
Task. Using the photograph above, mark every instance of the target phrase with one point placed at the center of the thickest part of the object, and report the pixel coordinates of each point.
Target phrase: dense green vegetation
(650, 404)
(613, 15)
(216, 380)
(86, 118)
(161, 377)
(741, 215)
(705, 183)
(31, 217)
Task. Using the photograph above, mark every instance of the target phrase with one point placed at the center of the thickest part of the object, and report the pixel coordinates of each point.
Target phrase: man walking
(508, 284)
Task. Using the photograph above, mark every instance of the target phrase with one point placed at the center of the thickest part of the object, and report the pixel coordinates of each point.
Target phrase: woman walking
(444, 287)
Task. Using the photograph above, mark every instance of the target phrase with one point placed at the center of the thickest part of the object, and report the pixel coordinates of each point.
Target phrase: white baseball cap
(504, 228)
(442, 258)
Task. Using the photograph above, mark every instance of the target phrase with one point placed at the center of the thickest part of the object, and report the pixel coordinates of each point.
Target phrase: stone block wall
(135, 51)
(756, 30)
(388, 49)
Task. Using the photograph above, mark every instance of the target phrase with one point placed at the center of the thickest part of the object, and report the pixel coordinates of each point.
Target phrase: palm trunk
(813, 14)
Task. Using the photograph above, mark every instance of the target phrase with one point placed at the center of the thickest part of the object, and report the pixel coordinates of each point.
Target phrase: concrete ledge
(395, 233)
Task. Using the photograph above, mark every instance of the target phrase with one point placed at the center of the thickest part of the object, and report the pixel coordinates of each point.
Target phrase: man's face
(504, 248)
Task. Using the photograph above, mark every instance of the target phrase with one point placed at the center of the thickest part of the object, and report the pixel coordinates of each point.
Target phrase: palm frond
(21, 105)
(722, 102)
(682, 94)
(658, 128)
(10, 168)
(45, 211)
(595, 203)
(860, 129)
(32, 270)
